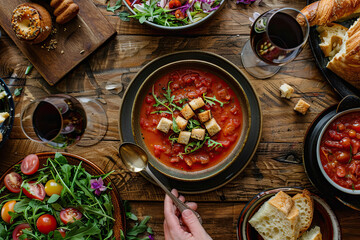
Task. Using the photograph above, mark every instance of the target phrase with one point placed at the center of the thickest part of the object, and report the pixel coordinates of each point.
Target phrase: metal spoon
(136, 160)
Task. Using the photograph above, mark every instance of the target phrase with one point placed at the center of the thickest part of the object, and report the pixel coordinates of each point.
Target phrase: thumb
(192, 222)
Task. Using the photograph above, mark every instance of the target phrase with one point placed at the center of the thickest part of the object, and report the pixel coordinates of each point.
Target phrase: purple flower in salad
(151, 237)
(245, 1)
(98, 185)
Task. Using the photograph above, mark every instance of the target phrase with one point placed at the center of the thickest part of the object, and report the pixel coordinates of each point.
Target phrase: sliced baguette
(277, 219)
(313, 234)
(304, 202)
(332, 37)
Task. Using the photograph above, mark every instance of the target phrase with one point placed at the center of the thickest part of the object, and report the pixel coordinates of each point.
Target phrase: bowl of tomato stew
(338, 151)
(205, 111)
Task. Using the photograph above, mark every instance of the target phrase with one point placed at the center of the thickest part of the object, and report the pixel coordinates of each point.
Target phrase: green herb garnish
(124, 16)
(28, 69)
(196, 145)
(17, 92)
(351, 154)
(212, 100)
(353, 186)
(192, 123)
(117, 5)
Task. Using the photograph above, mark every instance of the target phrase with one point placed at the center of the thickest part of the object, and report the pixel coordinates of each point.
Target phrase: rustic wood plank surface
(278, 160)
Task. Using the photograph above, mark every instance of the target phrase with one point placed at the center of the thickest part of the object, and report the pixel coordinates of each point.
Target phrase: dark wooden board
(76, 39)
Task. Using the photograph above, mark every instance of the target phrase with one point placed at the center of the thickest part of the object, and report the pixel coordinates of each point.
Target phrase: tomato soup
(186, 85)
(340, 151)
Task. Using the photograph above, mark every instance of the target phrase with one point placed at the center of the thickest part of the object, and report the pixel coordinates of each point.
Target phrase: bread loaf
(346, 63)
(64, 10)
(327, 11)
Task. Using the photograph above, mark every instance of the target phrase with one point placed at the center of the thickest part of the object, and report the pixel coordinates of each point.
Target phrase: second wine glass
(276, 38)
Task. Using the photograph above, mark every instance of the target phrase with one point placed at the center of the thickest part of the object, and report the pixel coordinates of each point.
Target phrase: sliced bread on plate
(304, 202)
(313, 234)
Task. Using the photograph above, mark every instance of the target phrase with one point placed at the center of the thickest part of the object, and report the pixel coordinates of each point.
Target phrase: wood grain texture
(76, 39)
(107, 72)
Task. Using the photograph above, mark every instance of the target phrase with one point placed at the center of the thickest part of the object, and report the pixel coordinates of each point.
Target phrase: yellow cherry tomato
(53, 187)
(8, 207)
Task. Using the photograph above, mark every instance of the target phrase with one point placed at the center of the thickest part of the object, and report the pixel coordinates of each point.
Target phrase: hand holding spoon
(136, 160)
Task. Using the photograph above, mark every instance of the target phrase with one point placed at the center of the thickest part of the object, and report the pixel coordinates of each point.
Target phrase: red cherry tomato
(174, 4)
(8, 207)
(69, 215)
(179, 14)
(13, 182)
(33, 190)
(18, 230)
(62, 232)
(46, 223)
(30, 164)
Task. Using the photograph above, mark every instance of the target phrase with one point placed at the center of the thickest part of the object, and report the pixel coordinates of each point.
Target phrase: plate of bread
(287, 214)
(335, 41)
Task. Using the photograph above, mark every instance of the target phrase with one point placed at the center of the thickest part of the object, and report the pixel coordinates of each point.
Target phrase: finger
(181, 198)
(169, 212)
(168, 203)
(193, 223)
(192, 205)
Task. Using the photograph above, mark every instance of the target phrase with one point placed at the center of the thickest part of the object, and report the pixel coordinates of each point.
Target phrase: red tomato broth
(192, 83)
(340, 151)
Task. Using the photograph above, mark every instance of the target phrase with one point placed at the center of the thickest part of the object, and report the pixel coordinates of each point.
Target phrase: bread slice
(277, 218)
(332, 37)
(313, 234)
(304, 202)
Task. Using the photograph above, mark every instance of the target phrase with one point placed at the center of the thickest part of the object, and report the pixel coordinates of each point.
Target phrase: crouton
(2, 94)
(302, 107)
(198, 133)
(212, 127)
(184, 137)
(164, 125)
(204, 116)
(3, 116)
(197, 103)
(181, 122)
(286, 91)
(187, 112)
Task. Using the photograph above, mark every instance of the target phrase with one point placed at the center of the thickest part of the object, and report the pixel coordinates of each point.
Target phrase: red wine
(59, 121)
(279, 43)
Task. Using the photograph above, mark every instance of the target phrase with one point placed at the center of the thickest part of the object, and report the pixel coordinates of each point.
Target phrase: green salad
(57, 201)
(172, 13)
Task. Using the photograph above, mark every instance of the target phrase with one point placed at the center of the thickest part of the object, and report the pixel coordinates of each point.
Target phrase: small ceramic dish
(321, 135)
(323, 217)
(6, 105)
(245, 125)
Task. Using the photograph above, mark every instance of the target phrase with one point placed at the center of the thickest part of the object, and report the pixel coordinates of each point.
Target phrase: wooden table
(278, 160)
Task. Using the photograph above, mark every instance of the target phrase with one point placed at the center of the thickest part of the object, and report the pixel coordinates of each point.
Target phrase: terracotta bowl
(322, 132)
(119, 213)
(323, 217)
(226, 77)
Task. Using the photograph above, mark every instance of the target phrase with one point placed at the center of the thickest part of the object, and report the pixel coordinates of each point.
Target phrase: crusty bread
(331, 36)
(64, 10)
(346, 63)
(327, 11)
(313, 234)
(304, 202)
(277, 218)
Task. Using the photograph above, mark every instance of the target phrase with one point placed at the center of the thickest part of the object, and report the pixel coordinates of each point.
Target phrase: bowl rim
(194, 176)
(318, 142)
(179, 28)
(241, 223)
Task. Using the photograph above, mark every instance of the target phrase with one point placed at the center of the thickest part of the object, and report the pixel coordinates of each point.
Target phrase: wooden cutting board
(76, 39)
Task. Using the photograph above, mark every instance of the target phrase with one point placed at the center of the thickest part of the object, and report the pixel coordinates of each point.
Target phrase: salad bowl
(199, 11)
(92, 169)
(6, 105)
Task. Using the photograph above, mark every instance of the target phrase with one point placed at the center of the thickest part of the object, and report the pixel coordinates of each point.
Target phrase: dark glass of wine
(276, 38)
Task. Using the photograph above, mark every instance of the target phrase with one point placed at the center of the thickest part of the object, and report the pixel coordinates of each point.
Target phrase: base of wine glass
(254, 66)
(97, 122)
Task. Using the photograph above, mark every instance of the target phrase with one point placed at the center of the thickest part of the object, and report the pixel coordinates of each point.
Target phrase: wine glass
(60, 121)
(276, 38)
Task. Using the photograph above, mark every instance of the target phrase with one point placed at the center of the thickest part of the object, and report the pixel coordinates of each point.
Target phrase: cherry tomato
(8, 207)
(342, 157)
(179, 14)
(174, 4)
(341, 171)
(18, 230)
(69, 215)
(53, 187)
(62, 232)
(30, 164)
(13, 182)
(33, 190)
(46, 223)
